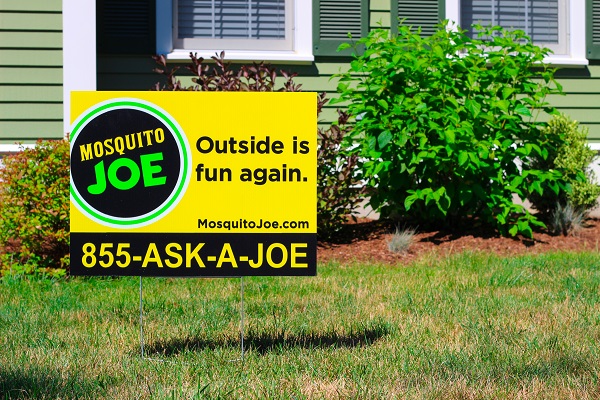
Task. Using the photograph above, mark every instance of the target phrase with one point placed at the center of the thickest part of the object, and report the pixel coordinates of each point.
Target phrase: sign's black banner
(193, 254)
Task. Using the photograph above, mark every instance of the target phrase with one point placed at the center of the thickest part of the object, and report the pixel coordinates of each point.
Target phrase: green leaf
(343, 46)
(473, 107)
(463, 158)
(383, 104)
(537, 187)
(384, 138)
(507, 92)
(521, 109)
(502, 105)
(371, 142)
(516, 182)
(524, 228)
(474, 159)
(408, 202)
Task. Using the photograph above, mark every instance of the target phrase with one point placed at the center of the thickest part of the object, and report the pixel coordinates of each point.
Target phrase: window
(556, 24)
(227, 25)
(543, 20)
(273, 30)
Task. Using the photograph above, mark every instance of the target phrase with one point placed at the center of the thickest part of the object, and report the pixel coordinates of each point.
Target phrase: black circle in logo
(126, 163)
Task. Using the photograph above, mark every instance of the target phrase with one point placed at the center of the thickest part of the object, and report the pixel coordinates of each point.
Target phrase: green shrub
(442, 121)
(570, 153)
(34, 210)
(337, 192)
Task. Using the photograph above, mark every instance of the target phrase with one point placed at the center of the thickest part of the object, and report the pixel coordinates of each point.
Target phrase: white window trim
(218, 44)
(302, 39)
(575, 33)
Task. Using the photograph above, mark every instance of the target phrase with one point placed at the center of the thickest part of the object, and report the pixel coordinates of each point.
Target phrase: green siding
(30, 75)
(30, 94)
(29, 131)
(29, 111)
(379, 14)
(29, 57)
(31, 21)
(31, 5)
(30, 70)
(31, 40)
(582, 99)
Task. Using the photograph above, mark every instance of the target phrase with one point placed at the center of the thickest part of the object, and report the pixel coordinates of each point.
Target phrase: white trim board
(14, 148)
(79, 51)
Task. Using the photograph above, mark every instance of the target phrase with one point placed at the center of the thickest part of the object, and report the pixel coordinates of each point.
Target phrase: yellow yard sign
(193, 184)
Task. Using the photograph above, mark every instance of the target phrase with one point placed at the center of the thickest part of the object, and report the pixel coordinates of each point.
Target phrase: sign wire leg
(141, 320)
(242, 315)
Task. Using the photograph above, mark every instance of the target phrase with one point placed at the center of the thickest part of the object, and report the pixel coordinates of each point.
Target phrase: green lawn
(469, 326)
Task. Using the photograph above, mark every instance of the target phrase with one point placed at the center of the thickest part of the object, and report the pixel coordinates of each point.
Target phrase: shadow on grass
(38, 383)
(265, 342)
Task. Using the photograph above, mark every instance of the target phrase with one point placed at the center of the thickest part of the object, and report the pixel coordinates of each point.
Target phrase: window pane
(538, 18)
(231, 19)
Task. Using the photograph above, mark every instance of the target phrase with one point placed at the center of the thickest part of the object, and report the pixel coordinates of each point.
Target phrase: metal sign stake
(242, 315)
(141, 320)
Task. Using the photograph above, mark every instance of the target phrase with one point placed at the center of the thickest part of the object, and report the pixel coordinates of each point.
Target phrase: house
(51, 47)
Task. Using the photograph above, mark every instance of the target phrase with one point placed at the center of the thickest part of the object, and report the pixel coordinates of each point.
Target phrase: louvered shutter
(126, 26)
(593, 29)
(423, 13)
(333, 20)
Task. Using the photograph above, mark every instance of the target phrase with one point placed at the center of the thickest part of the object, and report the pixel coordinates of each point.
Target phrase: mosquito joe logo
(130, 163)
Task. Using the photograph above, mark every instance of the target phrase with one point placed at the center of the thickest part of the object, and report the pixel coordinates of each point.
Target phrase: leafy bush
(443, 120)
(337, 192)
(221, 77)
(570, 153)
(34, 210)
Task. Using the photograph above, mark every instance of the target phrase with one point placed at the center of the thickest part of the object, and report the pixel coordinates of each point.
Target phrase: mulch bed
(366, 241)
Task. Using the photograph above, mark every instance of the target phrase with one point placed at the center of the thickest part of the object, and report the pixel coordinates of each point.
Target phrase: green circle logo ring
(130, 163)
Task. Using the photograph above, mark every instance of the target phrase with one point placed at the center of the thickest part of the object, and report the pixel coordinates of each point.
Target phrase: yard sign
(193, 184)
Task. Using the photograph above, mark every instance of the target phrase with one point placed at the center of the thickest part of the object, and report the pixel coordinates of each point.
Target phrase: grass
(468, 326)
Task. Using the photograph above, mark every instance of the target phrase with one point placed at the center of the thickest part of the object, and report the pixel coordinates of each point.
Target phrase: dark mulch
(367, 241)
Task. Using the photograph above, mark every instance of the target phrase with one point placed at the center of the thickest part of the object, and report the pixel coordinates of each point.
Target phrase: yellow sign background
(220, 116)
